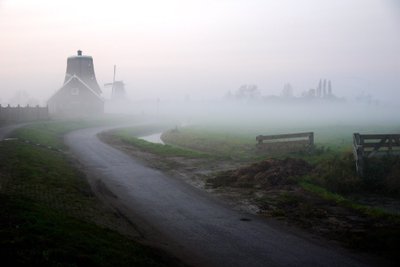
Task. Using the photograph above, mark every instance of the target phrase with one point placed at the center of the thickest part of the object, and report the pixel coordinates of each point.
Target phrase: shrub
(382, 174)
(337, 174)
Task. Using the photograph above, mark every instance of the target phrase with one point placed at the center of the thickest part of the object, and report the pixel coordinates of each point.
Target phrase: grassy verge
(237, 141)
(50, 133)
(34, 235)
(223, 145)
(129, 136)
(49, 215)
(343, 201)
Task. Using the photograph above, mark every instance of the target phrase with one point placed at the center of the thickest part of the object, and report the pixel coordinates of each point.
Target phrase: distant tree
(229, 95)
(319, 88)
(248, 91)
(330, 88)
(287, 91)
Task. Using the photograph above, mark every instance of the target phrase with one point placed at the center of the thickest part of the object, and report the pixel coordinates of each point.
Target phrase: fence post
(18, 113)
(311, 139)
(358, 152)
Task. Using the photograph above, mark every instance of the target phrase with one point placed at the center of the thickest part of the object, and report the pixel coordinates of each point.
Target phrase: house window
(75, 91)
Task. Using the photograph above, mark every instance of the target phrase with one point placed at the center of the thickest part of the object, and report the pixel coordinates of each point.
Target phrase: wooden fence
(374, 145)
(21, 114)
(285, 142)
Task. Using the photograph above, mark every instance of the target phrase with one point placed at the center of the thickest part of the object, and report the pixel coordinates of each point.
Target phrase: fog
(190, 54)
(266, 114)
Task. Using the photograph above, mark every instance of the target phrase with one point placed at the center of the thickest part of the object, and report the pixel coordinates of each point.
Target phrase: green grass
(32, 169)
(141, 130)
(128, 136)
(343, 201)
(218, 144)
(50, 217)
(240, 144)
(49, 133)
(238, 140)
(34, 235)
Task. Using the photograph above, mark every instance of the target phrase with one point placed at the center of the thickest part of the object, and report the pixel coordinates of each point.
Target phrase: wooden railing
(285, 142)
(374, 145)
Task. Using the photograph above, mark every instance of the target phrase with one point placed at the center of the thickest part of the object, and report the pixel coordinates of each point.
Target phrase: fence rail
(374, 145)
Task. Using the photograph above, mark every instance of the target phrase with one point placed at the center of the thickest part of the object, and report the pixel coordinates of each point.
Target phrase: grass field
(130, 137)
(49, 216)
(238, 141)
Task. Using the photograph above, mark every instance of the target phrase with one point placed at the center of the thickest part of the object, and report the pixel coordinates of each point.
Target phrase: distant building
(80, 93)
(117, 88)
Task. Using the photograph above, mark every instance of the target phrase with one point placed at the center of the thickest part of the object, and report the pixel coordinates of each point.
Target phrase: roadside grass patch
(34, 235)
(220, 144)
(240, 144)
(49, 215)
(44, 176)
(140, 130)
(129, 136)
(343, 201)
(49, 133)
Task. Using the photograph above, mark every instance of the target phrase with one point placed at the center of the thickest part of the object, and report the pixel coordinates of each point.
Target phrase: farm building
(80, 93)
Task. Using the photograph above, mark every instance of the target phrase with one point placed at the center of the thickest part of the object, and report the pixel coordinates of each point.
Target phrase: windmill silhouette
(117, 87)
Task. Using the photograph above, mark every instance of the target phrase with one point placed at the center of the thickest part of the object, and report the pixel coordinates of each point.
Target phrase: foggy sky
(203, 48)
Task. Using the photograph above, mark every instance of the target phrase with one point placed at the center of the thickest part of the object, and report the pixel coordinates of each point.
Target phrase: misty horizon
(204, 49)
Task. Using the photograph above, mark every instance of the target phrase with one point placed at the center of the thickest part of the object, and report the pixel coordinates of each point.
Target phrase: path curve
(193, 225)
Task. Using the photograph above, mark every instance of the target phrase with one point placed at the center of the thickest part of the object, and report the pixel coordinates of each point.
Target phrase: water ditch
(153, 138)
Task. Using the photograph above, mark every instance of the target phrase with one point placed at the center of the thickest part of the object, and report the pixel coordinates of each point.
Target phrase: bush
(392, 181)
(338, 174)
(382, 174)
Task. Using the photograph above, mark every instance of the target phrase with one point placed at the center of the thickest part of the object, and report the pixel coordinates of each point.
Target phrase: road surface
(187, 221)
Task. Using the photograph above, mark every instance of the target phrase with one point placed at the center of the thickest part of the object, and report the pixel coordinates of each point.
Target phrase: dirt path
(188, 222)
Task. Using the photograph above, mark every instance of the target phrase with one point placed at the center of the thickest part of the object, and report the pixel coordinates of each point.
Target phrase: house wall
(75, 100)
